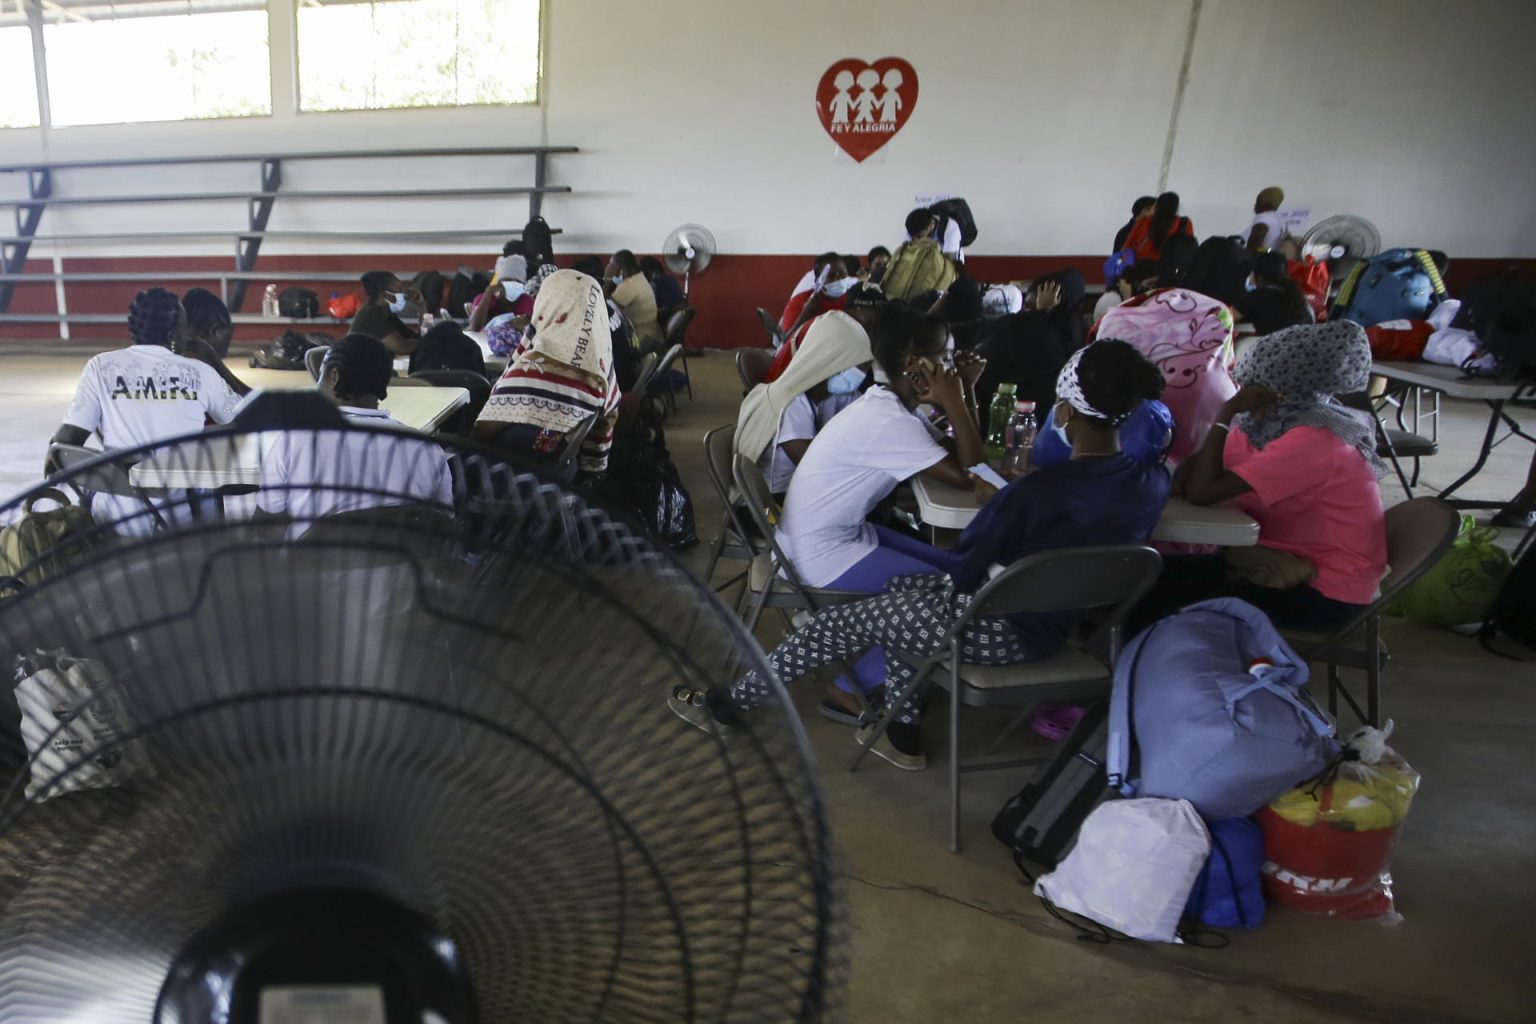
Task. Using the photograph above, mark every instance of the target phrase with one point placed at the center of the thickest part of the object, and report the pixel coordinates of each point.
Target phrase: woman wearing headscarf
(1286, 452)
(1028, 349)
(778, 420)
(563, 374)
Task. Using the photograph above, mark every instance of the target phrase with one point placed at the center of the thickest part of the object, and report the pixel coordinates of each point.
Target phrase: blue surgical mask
(837, 289)
(513, 289)
(397, 303)
(846, 382)
(617, 278)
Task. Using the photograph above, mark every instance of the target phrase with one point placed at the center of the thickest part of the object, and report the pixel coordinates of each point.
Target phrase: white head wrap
(1069, 390)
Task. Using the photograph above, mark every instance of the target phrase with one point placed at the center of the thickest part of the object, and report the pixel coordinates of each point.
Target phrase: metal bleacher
(42, 194)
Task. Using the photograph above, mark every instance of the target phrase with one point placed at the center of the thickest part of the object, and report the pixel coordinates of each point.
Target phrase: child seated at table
(309, 475)
(1099, 496)
(1285, 451)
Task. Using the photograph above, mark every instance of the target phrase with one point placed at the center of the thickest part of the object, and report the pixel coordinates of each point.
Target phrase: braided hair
(363, 367)
(155, 318)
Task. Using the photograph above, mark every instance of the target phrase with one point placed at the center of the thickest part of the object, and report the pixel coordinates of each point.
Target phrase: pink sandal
(1056, 721)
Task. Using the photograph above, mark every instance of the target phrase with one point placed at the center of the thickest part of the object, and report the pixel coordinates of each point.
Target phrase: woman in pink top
(1287, 453)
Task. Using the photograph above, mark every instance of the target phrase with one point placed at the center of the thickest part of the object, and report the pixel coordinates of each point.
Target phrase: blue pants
(897, 555)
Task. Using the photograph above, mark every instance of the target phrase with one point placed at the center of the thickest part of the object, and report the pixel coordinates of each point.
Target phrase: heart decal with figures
(863, 104)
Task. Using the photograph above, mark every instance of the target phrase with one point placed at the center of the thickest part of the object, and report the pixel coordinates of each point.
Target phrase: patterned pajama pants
(913, 615)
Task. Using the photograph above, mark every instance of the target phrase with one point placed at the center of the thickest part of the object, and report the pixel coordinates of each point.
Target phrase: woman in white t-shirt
(877, 442)
(1267, 227)
(778, 419)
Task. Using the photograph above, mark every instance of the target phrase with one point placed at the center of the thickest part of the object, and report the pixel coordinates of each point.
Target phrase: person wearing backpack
(1147, 236)
(918, 270)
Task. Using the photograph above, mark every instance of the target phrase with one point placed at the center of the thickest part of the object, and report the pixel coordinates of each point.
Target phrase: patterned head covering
(1070, 390)
(1307, 366)
(570, 327)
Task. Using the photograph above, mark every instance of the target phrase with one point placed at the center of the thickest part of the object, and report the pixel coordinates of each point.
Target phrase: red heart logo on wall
(863, 105)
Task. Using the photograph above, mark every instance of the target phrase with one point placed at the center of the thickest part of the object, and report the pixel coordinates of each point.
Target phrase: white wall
(1049, 116)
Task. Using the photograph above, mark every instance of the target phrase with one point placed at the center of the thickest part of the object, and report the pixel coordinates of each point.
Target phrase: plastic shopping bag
(1328, 843)
(70, 711)
(1462, 585)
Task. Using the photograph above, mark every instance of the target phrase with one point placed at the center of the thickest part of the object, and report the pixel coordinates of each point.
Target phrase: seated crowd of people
(882, 374)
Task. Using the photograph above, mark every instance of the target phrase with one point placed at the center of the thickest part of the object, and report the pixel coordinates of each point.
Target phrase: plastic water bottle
(998, 414)
(269, 301)
(1019, 436)
(426, 322)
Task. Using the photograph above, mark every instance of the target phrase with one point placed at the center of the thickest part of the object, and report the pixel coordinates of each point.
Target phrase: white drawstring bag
(1133, 867)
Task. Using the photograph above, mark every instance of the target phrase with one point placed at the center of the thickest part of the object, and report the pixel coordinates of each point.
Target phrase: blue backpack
(1229, 892)
(1399, 284)
(1208, 706)
(1117, 264)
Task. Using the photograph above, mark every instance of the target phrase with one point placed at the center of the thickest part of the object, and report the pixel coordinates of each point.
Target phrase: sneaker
(831, 709)
(688, 704)
(888, 753)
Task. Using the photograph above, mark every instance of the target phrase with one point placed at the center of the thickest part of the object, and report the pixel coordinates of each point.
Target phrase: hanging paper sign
(862, 105)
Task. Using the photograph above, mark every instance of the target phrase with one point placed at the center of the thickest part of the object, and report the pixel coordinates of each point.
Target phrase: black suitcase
(1040, 823)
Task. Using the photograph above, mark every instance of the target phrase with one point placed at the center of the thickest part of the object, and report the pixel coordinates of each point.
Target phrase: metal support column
(248, 246)
(536, 197)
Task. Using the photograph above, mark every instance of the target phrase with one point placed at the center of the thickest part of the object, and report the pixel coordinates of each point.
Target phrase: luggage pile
(1209, 785)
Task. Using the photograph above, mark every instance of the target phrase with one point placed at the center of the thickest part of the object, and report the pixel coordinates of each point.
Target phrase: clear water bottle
(1018, 438)
(998, 414)
(426, 322)
(269, 301)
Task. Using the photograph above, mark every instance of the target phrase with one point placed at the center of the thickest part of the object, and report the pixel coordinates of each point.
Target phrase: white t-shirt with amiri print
(146, 393)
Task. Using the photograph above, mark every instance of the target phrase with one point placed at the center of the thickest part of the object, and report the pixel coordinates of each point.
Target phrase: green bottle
(998, 414)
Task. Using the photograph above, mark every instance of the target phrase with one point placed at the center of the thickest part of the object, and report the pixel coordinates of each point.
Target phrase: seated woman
(1099, 496)
(210, 329)
(379, 317)
(563, 374)
(506, 295)
(778, 420)
(628, 287)
(447, 347)
(1148, 235)
(1274, 301)
(1288, 454)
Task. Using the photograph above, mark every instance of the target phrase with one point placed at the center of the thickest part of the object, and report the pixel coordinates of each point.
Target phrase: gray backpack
(1209, 706)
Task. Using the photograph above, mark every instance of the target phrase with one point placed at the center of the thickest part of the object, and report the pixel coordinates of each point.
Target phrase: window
(388, 54)
(121, 61)
(18, 82)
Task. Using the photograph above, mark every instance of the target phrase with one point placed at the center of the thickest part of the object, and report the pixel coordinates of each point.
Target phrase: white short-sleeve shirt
(309, 475)
(856, 460)
(1273, 222)
(147, 393)
(796, 423)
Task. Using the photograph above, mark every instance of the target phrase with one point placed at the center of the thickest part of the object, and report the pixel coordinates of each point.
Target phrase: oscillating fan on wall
(401, 763)
(1341, 241)
(688, 250)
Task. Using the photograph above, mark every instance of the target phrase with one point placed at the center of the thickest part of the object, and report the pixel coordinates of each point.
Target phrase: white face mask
(513, 289)
(846, 382)
(837, 289)
(397, 303)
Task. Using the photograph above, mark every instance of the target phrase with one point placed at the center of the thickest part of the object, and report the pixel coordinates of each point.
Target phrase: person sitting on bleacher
(309, 475)
(150, 390)
(380, 316)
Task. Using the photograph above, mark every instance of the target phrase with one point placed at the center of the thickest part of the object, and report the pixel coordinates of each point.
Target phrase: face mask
(846, 382)
(837, 289)
(1248, 285)
(513, 289)
(397, 303)
(618, 278)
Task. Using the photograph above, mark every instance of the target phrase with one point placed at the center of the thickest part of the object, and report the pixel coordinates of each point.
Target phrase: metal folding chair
(313, 358)
(677, 330)
(775, 336)
(570, 448)
(1419, 533)
(661, 379)
(1067, 579)
(734, 541)
(752, 366)
(98, 472)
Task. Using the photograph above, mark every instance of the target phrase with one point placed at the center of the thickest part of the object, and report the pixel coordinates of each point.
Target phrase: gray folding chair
(677, 331)
(734, 541)
(1064, 580)
(771, 580)
(661, 379)
(645, 373)
(98, 472)
(775, 336)
(1419, 533)
(1394, 444)
(313, 358)
(752, 366)
(570, 448)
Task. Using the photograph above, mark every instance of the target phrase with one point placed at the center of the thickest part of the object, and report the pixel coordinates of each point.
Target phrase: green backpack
(39, 544)
(917, 269)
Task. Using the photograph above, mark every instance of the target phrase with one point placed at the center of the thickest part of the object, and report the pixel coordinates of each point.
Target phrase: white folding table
(952, 508)
(1452, 383)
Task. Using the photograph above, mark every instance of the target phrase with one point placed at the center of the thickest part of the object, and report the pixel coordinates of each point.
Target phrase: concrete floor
(939, 937)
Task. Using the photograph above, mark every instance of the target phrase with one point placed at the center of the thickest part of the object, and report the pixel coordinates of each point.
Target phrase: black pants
(1187, 579)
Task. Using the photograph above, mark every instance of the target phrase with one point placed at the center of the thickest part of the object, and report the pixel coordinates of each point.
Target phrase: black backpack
(538, 243)
(959, 211)
(1501, 311)
(463, 291)
(298, 303)
(1513, 612)
(286, 352)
